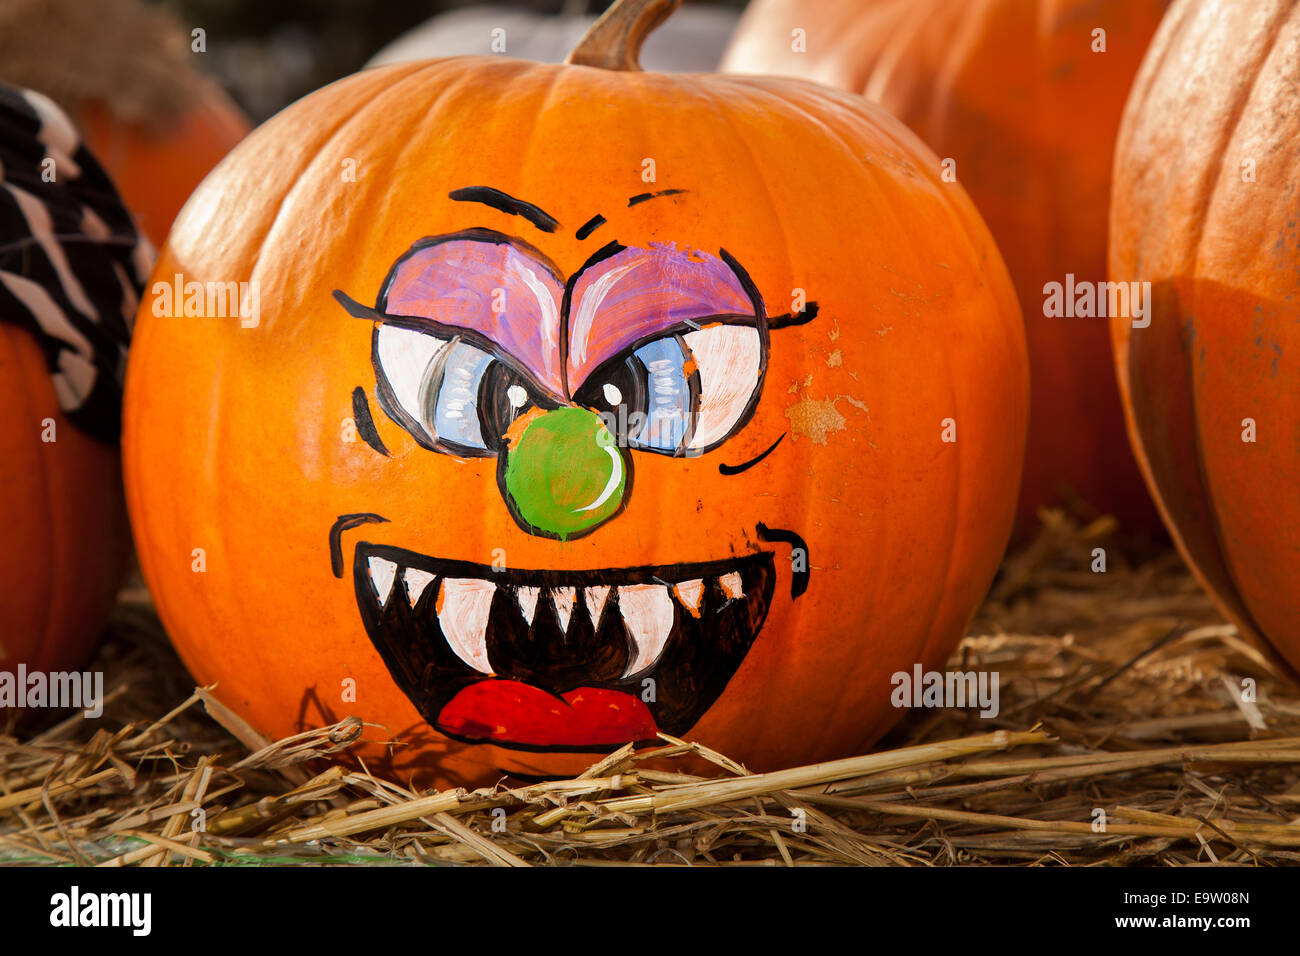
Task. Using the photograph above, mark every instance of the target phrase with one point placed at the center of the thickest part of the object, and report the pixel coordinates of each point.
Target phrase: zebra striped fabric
(72, 265)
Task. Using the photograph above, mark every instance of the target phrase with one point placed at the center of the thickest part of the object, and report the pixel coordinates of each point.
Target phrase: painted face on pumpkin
(483, 348)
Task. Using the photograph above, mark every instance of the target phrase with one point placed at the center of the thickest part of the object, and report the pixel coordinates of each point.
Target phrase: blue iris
(669, 406)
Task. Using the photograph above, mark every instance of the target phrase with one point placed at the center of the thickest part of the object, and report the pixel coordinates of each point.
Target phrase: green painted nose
(564, 474)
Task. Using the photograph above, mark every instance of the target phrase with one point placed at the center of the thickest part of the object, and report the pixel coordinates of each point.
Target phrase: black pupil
(495, 413)
(629, 377)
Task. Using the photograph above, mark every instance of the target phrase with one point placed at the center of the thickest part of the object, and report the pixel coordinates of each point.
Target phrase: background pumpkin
(71, 267)
(691, 41)
(916, 323)
(1012, 91)
(124, 72)
(1205, 209)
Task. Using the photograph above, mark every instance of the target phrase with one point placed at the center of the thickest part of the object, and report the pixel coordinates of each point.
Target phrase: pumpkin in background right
(1206, 208)
(1024, 97)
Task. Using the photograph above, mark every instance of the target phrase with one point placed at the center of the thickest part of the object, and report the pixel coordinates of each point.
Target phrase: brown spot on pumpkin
(815, 419)
(835, 359)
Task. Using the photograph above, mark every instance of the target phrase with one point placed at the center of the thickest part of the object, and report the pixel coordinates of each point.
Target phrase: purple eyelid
(637, 292)
(493, 288)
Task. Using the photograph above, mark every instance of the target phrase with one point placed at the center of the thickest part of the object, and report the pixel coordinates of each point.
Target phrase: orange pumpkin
(1013, 93)
(1205, 210)
(123, 71)
(71, 268)
(574, 404)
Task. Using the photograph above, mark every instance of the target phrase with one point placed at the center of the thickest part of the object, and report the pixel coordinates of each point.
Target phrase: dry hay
(1120, 692)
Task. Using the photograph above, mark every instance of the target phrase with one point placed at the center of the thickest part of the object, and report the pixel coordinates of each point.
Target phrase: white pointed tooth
(463, 609)
(648, 613)
(527, 598)
(382, 573)
(731, 585)
(594, 598)
(563, 599)
(416, 581)
(689, 593)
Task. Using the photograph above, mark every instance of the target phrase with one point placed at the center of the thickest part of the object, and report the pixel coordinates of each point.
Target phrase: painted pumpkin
(122, 71)
(573, 404)
(1205, 210)
(1013, 94)
(691, 42)
(71, 269)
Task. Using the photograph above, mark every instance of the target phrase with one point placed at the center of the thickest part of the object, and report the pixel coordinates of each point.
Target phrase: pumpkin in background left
(123, 71)
(70, 274)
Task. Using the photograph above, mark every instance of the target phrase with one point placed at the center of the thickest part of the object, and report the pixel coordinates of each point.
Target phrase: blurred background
(161, 90)
(268, 53)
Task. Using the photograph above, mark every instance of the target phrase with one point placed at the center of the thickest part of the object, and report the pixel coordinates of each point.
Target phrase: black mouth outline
(694, 666)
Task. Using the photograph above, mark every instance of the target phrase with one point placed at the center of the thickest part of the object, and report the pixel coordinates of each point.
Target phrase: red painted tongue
(518, 713)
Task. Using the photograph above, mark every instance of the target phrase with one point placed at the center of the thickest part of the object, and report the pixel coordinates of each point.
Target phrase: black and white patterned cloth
(72, 265)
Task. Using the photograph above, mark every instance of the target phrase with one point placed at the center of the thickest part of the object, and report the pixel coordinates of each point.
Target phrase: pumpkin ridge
(962, 210)
(530, 140)
(756, 172)
(1153, 64)
(1221, 256)
(970, 34)
(1229, 135)
(308, 175)
(447, 89)
(942, 594)
(908, 26)
(1188, 260)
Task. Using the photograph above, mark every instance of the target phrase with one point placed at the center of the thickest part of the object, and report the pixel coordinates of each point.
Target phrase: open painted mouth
(560, 660)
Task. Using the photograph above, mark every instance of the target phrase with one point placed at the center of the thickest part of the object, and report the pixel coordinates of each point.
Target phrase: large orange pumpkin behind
(571, 404)
(1024, 97)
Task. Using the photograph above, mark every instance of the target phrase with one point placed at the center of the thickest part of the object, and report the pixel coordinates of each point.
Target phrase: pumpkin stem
(614, 41)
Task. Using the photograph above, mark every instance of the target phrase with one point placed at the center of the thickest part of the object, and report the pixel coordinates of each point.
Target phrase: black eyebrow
(802, 317)
(507, 204)
(643, 197)
(346, 523)
(596, 221)
(745, 466)
(365, 422)
(590, 226)
(355, 309)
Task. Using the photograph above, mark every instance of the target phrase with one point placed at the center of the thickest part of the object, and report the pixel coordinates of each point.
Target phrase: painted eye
(680, 394)
(448, 393)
